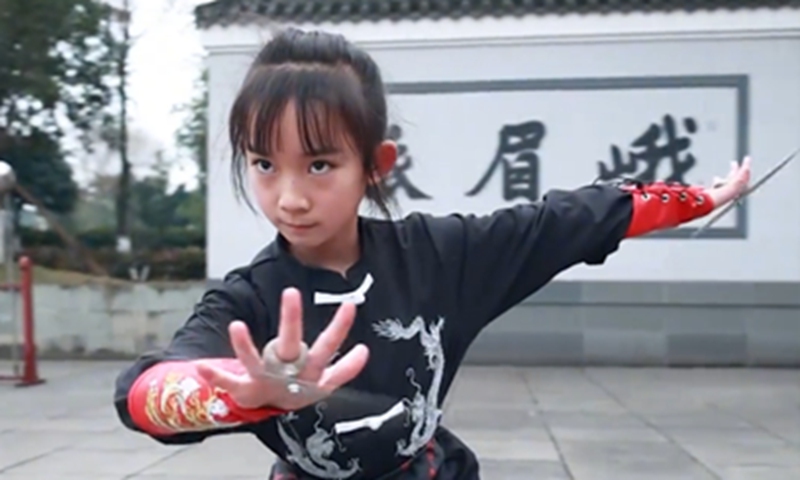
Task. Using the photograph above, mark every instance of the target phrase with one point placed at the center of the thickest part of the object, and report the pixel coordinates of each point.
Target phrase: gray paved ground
(532, 424)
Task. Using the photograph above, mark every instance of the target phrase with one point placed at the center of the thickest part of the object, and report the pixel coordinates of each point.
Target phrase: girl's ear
(385, 159)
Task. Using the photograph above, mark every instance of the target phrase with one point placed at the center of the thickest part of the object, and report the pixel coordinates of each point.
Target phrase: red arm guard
(660, 206)
(171, 397)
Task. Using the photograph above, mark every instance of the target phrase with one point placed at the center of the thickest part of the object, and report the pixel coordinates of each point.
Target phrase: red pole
(30, 375)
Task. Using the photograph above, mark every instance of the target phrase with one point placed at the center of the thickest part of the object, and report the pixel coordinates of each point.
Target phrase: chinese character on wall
(398, 177)
(518, 161)
(657, 145)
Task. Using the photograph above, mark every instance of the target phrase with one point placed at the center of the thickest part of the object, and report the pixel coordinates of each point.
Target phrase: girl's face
(312, 200)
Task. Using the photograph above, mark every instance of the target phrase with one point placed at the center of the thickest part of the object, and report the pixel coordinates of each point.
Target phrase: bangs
(330, 106)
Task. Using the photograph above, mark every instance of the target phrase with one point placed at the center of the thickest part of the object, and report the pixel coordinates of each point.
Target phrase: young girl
(389, 308)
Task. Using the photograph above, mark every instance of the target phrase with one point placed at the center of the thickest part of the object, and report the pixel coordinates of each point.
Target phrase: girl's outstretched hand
(253, 389)
(733, 186)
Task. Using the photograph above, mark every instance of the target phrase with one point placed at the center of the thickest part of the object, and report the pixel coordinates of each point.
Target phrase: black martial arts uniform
(425, 287)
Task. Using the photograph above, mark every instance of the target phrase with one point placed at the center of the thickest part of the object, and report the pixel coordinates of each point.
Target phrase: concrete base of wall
(648, 324)
(102, 321)
(566, 323)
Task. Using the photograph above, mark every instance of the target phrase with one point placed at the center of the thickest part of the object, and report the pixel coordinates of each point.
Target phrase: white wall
(234, 232)
(454, 135)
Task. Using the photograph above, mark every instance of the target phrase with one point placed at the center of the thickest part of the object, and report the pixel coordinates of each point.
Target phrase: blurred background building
(495, 102)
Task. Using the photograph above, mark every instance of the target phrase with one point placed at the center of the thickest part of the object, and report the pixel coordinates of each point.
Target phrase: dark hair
(336, 88)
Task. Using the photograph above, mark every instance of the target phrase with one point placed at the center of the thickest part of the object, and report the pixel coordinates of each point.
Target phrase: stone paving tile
(757, 472)
(531, 424)
(518, 445)
(630, 460)
(87, 463)
(528, 470)
(234, 455)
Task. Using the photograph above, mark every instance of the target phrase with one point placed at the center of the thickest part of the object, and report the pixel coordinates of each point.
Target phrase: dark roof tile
(225, 12)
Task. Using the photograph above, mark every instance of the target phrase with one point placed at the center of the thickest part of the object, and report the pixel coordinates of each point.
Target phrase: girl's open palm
(252, 388)
(733, 186)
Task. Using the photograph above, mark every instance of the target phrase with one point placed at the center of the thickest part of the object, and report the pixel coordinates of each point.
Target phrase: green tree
(192, 209)
(192, 139)
(115, 131)
(153, 206)
(39, 166)
(96, 207)
(193, 134)
(54, 67)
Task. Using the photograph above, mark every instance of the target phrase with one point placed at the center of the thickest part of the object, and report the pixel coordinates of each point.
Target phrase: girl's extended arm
(163, 395)
(171, 397)
(487, 264)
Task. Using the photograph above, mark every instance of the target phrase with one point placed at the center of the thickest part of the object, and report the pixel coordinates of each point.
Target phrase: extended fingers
(329, 341)
(216, 377)
(345, 369)
(243, 346)
(744, 170)
(733, 170)
(290, 327)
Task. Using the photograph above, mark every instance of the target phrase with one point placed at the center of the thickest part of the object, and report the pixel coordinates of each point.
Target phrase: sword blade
(755, 186)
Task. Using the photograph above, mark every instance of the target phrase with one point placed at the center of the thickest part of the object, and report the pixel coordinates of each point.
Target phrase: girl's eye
(320, 166)
(263, 166)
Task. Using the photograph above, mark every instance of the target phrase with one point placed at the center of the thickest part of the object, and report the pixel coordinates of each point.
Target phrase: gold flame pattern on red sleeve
(180, 403)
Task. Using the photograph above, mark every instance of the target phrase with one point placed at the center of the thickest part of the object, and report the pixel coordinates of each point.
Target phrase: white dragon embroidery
(314, 458)
(423, 410)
